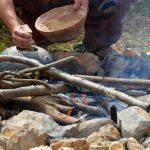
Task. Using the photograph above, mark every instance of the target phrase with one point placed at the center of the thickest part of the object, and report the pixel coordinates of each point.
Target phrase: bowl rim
(83, 18)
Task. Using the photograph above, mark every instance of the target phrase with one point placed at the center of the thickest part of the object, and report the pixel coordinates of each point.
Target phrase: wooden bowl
(61, 24)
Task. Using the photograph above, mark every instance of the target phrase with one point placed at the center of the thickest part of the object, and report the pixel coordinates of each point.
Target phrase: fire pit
(69, 98)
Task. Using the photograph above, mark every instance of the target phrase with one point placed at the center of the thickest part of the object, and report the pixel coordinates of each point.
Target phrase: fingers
(21, 37)
(77, 4)
(81, 4)
(22, 42)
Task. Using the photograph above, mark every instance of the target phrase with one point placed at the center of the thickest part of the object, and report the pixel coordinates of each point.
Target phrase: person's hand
(81, 3)
(22, 36)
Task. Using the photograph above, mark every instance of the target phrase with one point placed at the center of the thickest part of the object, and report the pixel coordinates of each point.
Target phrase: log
(11, 85)
(41, 106)
(34, 90)
(124, 81)
(96, 111)
(98, 88)
(21, 60)
(83, 83)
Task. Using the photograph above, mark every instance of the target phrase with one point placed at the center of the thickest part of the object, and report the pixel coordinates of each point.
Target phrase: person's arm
(8, 15)
(81, 3)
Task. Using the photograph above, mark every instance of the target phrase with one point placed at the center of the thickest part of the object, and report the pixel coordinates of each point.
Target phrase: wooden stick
(53, 64)
(97, 88)
(135, 82)
(85, 83)
(16, 59)
(82, 107)
(31, 81)
(32, 91)
(43, 107)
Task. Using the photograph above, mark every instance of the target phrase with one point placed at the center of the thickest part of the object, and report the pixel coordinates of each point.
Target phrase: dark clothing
(103, 26)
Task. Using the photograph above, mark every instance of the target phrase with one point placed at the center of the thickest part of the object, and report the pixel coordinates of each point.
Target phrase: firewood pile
(26, 87)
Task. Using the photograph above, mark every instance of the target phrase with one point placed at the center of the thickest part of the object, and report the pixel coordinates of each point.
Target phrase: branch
(97, 111)
(41, 105)
(135, 82)
(53, 64)
(6, 94)
(21, 60)
(97, 88)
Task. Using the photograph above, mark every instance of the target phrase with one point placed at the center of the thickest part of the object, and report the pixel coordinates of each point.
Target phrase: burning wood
(22, 84)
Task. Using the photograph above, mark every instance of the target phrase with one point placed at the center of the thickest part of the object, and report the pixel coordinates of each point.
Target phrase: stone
(85, 128)
(42, 147)
(2, 148)
(72, 143)
(116, 146)
(145, 98)
(135, 122)
(86, 63)
(96, 138)
(132, 144)
(66, 148)
(146, 142)
(111, 133)
(123, 141)
(97, 147)
(29, 129)
(3, 141)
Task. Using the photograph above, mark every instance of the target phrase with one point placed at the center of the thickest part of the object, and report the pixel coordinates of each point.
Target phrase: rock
(146, 142)
(66, 148)
(97, 147)
(135, 122)
(132, 144)
(116, 146)
(42, 147)
(96, 138)
(111, 133)
(87, 63)
(123, 141)
(29, 129)
(85, 128)
(3, 141)
(72, 143)
(2, 148)
(145, 98)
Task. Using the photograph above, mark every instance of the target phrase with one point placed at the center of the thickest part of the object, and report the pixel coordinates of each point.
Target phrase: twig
(82, 107)
(32, 91)
(83, 83)
(135, 82)
(45, 67)
(97, 88)
(45, 108)
(16, 59)
(31, 81)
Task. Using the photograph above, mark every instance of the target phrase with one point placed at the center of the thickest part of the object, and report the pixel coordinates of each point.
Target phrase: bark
(98, 88)
(135, 82)
(53, 64)
(41, 106)
(81, 82)
(32, 91)
(96, 111)
(16, 59)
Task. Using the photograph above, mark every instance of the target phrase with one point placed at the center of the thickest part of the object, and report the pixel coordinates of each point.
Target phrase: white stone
(135, 122)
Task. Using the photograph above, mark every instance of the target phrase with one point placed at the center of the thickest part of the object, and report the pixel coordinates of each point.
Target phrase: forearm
(8, 14)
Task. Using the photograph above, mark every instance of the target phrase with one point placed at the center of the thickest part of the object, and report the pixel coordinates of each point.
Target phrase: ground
(136, 32)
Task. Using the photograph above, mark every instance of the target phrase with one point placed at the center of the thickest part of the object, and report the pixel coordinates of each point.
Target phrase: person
(103, 26)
